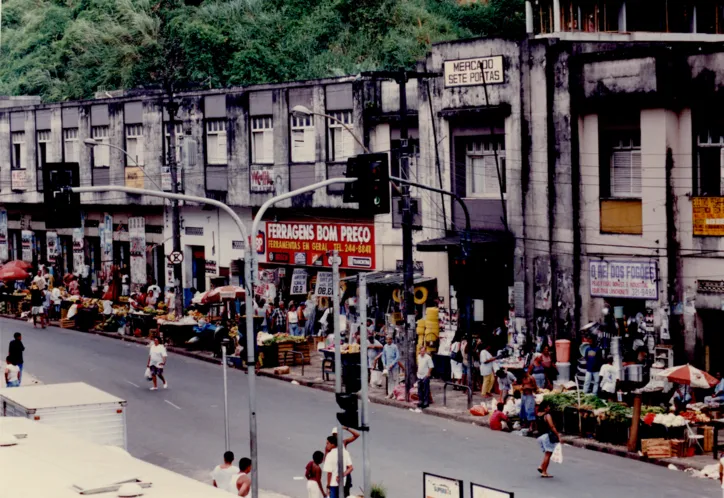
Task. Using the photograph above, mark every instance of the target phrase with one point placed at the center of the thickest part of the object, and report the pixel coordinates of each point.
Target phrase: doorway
(198, 268)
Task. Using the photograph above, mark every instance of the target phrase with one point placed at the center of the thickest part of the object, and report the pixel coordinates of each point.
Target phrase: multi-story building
(587, 153)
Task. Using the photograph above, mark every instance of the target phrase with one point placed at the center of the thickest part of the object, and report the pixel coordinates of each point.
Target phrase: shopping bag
(148, 374)
(557, 456)
(376, 378)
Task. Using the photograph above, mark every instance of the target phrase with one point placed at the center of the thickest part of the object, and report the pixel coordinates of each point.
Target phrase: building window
(18, 153)
(710, 142)
(167, 143)
(216, 152)
(102, 153)
(43, 141)
(262, 140)
(341, 141)
(302, 136)
(625, 164)
(481, 169)
(70, 143)
(134, 144)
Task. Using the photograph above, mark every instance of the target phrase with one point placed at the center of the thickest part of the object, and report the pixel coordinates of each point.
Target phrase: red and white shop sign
(298, 243)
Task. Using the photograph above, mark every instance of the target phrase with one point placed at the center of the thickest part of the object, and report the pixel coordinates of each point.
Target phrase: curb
(441, 412)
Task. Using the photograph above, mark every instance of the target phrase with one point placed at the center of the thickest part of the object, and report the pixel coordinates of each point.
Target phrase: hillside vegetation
(69, 49)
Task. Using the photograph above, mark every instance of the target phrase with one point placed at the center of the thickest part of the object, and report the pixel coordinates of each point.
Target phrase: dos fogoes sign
(632, 279)
(476, 71)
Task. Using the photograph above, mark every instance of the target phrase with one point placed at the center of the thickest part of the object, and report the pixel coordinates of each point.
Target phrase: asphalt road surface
(182, 429)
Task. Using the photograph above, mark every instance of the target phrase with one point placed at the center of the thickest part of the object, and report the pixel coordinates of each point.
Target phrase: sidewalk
(455, 408)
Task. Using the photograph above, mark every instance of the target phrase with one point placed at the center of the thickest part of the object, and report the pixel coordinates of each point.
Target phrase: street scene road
(182, 429)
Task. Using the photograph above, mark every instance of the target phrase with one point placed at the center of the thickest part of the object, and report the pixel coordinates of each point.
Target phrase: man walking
(424, 371)
(240, 485)
(279, 319)
(15, 353)
(222, 475)
(157, 356)
(487, 371)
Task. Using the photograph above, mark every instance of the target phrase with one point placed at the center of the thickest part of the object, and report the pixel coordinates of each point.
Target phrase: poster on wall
(210, 267)
(26, 237)
(106, 234)
(299, 281)
(629, 279)
(3, 235)
(19, 179)
(137, 235)
(52, 247)
(78, 247)
(261, 178)
(441, 487)
(307, 244)
(708, 216)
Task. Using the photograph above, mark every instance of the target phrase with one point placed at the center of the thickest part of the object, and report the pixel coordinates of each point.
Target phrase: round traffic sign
(176, 257)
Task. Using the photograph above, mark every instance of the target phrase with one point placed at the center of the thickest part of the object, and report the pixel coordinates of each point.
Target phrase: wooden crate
(304, 348)
(281, 349)
(656, 448)
(678, 447)
(66, 323)
(708, 442)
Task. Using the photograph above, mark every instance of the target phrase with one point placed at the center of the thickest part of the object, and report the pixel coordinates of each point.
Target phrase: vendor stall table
(718, 424)
(142, 322)
(176, 333)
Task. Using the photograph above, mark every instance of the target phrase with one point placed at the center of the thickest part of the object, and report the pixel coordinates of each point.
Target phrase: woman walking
(549, 439)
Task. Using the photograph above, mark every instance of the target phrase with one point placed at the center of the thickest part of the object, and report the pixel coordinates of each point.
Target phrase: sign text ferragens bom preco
(307, 243)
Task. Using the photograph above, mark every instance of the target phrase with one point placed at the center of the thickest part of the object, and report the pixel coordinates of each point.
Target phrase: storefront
(292, 253)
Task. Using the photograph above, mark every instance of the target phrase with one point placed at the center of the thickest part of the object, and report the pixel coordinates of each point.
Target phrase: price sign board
(299, 282)
(441, 487)
(324, 284)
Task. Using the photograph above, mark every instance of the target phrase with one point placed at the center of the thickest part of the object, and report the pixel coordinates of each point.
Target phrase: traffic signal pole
(363, 345)
(337, 366)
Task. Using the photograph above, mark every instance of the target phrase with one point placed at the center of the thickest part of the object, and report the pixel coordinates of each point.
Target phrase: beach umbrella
(690, 376)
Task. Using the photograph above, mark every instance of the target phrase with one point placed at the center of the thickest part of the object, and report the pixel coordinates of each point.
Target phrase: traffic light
(349, 416)
(62, 208)
(372, 188)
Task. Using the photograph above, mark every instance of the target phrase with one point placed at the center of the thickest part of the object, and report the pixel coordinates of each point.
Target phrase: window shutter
(139, 151)
(491, 176)
(348, 144)
(212, 147)
(621, 172)
(221, 152)
(309, 145)
(297, 146)
(268, 141)
(131, 144)
(636, 172)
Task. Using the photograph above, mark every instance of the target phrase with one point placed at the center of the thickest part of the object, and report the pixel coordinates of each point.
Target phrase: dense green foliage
(68, 49)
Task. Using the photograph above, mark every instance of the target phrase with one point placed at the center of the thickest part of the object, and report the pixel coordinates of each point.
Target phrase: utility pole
(364, 391)
(337, 364)
(172, 109)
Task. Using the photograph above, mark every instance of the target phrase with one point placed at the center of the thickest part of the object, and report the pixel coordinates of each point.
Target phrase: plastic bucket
(563, 350)
(564, 372)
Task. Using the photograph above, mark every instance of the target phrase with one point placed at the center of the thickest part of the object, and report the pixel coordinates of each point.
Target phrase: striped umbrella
(688, 375)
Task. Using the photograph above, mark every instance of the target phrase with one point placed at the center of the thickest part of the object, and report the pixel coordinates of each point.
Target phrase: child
(12, 373)
(313, 473)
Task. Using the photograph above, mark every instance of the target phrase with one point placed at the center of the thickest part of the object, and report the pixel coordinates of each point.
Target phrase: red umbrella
(225, 293)
(23, 265)
(13, 273)
(688, 375)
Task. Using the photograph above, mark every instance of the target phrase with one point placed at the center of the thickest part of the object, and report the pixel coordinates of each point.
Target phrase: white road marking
(298, 478)
(134, 385)
(175, 406)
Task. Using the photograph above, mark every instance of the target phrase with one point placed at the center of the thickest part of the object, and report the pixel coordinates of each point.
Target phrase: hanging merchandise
(420, 295)
(27, 237)
(396, 295)
(78, 246)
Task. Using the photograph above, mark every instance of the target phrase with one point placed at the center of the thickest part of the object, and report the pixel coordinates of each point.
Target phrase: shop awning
(450, 241)
(388, 278)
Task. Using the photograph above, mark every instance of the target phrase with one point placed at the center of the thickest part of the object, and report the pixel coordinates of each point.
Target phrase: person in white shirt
(156, 361)
(424, 371)
(330, 466)
(39, 280)
(12, 373)
(222, 475)
(609, 375)
(487, 371)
